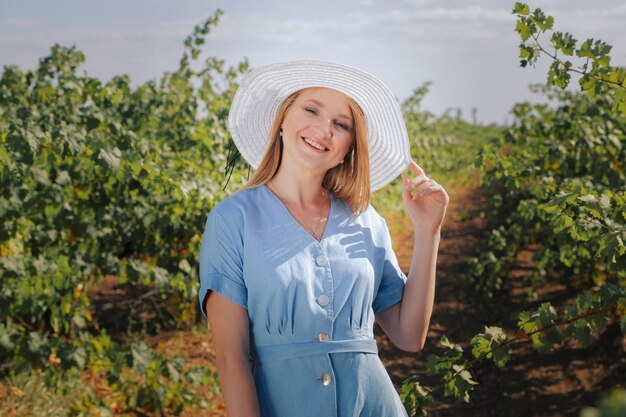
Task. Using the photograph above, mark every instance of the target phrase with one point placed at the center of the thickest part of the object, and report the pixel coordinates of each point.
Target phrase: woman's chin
(310, 162)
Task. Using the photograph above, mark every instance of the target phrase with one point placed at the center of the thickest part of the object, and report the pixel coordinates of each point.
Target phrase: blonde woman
(297, 266)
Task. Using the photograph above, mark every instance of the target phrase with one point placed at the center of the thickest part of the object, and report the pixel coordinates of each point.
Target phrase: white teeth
(314, 144)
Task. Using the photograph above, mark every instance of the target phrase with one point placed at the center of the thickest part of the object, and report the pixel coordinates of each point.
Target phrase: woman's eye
(344, 126)
(311, 110)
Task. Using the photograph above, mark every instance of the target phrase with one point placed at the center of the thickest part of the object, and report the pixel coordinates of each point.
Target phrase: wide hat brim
(264, 89)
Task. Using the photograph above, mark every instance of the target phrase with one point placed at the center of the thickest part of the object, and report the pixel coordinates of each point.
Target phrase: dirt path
(556, 385)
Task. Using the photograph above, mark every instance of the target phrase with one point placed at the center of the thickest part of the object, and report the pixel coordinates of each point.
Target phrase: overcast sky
(467, 49)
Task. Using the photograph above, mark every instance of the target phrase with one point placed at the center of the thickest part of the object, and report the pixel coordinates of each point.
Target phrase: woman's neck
(301, 188)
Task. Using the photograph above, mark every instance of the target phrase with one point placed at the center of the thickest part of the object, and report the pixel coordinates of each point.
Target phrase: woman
(296, 267)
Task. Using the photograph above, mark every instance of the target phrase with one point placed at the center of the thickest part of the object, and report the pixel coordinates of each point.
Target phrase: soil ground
(558, 384)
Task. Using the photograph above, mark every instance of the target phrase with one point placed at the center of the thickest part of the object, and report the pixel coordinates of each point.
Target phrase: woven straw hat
(264, 89)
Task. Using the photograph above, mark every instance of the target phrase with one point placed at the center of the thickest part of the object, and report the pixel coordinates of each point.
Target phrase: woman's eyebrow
(343, 116)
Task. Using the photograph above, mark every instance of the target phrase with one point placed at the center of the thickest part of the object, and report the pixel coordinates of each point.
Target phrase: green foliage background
(105, 180)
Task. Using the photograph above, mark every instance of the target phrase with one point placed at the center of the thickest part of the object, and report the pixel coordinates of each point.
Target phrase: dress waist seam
(265, 354)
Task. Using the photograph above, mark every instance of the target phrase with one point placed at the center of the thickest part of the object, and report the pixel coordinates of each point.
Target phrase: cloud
(113, 32)
(423, 28)
(116, 48)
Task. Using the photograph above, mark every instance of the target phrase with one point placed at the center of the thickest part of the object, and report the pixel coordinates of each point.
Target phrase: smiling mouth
(314, 144)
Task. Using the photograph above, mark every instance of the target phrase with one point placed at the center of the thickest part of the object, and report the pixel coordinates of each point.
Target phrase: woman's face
(317, 129)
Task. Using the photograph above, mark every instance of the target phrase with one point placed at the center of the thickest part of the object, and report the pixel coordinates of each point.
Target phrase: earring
(281, 133)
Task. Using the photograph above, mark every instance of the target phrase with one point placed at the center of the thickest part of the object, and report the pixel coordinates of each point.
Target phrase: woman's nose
(325, 127)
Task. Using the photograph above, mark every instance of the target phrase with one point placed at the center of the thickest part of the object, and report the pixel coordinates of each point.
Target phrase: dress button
(323, 300)
(321, 260)
(323, 337)
(326, 379)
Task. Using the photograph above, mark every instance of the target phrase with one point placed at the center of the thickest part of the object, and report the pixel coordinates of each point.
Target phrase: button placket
(325, 299)
(322, 262)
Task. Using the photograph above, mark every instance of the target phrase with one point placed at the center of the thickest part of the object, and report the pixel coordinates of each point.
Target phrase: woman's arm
(406, 323)
(231, 340)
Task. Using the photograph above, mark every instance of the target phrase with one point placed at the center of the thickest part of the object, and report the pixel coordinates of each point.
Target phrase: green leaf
(591, 205)
(6, 334)
(80, 357)
(174, 368)
(185, 266)
(63, 178)
(38, 344)
(526, 322)
(112, 158)
(199, 376)
(437, 364)
(161, 276)
(501, 355)
(587, 198)
(589, 84)
(415, 397)
(80, 321)
(142, 356)
(546, 23)
(558, 74)
(562, 222)
(447, 344)
(547, 314)
(605, 202)
(524, 31)
(40, 175)
(594, 50)
(521, 9)
(563, 198)
(480, 345)
(611, 246)
(488, 343)
(580, 232)
(564, 42)
(554, 336)
(460, 385)
(541, 344)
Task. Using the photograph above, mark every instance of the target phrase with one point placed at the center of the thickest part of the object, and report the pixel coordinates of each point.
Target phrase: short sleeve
(221, 260)
(393, 279)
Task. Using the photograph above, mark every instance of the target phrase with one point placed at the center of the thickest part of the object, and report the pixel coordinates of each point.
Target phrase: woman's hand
(425, 200)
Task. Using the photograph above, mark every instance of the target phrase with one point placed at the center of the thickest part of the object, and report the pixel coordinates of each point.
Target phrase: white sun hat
(264, 89)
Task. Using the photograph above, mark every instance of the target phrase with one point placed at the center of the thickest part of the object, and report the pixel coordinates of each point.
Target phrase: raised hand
(426, 200)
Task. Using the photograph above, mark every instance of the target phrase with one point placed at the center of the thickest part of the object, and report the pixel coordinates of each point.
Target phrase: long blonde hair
(349, 181)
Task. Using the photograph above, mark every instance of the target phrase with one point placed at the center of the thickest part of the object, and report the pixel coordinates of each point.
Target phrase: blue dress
(310, 304)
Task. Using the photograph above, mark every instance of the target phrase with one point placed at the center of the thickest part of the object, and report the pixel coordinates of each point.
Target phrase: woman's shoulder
(236, 207)
(368, 217)
(239, 199)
